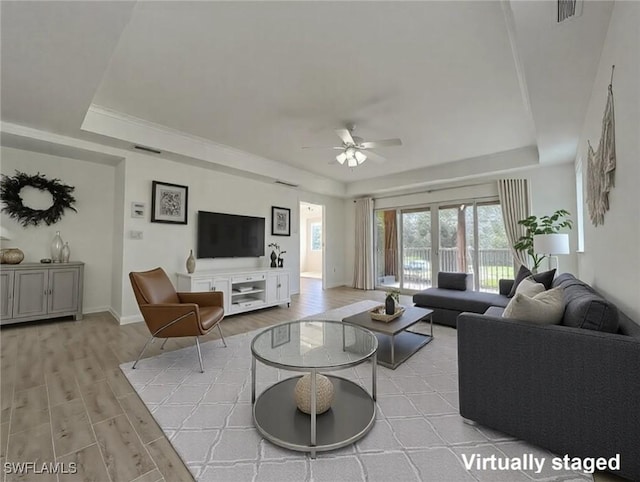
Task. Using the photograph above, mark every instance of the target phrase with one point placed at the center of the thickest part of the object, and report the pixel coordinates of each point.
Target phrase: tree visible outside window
(316, 236)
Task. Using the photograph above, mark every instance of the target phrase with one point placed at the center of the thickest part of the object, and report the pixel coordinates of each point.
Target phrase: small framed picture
(169, 203)
(137, 209)
(280, 335)
(280, 221)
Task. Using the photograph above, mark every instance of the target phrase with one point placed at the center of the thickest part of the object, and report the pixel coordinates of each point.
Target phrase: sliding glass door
(416, 250)
(469, 238)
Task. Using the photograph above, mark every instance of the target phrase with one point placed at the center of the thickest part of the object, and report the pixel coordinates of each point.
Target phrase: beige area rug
(418, 434)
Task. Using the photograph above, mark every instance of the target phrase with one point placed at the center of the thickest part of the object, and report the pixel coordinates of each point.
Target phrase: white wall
(168, 245)
(611, 259)
(552, 188)
(89, 232)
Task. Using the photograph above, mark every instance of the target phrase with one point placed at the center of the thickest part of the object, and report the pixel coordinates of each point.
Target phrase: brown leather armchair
(170, 314)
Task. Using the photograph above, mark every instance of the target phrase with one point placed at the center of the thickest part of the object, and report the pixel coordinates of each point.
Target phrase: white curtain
(363, 270)
(514, 201)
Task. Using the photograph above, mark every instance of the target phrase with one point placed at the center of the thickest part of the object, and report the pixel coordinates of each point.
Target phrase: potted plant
(392, 300)
(544, 225)
(276, 255)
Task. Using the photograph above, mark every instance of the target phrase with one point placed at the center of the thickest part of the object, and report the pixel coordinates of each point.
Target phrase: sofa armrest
(505, 285)
(569, 390)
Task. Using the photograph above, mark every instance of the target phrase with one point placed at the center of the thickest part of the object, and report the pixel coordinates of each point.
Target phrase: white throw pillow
(545, 308)
(529, 287)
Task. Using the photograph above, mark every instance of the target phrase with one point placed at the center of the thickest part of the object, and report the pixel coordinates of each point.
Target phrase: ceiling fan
(355, 150)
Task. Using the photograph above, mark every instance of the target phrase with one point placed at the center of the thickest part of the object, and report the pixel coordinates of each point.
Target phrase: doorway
(311, 241)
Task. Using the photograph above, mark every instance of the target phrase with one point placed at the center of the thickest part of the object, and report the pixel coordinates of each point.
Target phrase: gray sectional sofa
(572, 388)
(455, 295)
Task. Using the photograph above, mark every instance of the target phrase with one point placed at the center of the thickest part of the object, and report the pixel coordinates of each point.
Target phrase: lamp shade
(557, 243)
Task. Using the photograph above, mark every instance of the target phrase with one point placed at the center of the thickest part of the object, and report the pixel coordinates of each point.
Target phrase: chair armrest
(167, 320)
(505, 286)
(203, 298)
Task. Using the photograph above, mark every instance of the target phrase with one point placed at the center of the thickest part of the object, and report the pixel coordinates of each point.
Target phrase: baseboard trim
(125, 320)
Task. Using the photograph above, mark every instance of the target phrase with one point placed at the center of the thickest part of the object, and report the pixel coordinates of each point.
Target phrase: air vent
(286, 184)
(147, 149)
(568, 9)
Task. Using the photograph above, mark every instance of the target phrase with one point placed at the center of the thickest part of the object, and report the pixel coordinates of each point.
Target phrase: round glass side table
(314, 346)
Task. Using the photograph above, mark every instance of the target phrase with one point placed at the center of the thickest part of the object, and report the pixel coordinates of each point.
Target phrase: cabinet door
(224, 285)
(272, 288)
(202, 284)
(30, 292)
(283, 287)
(63, 290)
(6, 294)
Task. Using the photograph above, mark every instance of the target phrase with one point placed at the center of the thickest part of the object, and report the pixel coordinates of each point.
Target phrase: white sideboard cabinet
(37, 291)
(243, 289)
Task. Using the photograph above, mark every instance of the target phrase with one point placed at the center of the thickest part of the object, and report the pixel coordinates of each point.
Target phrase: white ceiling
(454, 80)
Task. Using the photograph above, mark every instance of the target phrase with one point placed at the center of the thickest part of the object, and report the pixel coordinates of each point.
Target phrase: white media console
(243, 289)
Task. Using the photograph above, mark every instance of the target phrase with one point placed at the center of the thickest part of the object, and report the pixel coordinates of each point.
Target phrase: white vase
(66, 253)
(56, 248)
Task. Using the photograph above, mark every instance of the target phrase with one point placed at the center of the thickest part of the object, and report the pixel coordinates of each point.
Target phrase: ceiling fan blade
(374, 157)
(345, 135)
(381, 143)
(323, 147)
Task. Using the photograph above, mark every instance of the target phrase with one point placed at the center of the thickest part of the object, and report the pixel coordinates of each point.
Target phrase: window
(316, 236)
(414, 244)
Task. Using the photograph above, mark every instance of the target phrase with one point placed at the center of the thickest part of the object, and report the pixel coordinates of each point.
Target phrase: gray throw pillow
(546, 308)
(523, 273)
(452, 281)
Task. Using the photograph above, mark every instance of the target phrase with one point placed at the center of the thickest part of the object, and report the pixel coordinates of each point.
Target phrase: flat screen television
(229, 236)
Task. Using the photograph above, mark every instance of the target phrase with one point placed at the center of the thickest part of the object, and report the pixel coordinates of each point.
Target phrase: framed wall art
(280, 221)
(169, 203)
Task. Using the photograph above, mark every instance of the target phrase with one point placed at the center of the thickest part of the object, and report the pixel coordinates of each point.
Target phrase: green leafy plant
(395, 294)
(544, 225)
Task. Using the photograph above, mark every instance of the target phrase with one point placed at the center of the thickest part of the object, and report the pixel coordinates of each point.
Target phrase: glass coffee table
(314, 346)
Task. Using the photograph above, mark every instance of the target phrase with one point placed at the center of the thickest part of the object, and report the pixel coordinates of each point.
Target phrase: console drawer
(244, 305)
(245, 278)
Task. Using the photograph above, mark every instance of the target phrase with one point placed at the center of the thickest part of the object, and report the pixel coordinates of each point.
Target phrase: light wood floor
(63, 397)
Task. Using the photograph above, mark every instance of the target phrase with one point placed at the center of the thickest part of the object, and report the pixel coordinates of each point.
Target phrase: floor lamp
(550, 245)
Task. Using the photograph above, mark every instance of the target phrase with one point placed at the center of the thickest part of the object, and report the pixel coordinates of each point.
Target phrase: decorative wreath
(10, 188)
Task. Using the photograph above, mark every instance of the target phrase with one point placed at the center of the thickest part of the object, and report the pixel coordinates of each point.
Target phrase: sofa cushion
(585, 307)
(495, 311)
(473, 301)
(452, 281)
(546, 308)
(546, 278)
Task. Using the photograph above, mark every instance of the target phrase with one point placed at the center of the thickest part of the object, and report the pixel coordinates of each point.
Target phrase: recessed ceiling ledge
(110, 123)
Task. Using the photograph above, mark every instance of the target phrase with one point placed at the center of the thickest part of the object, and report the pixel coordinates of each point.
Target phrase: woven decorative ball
(324, 394)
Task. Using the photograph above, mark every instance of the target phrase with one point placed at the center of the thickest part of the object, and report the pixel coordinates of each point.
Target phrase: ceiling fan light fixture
(360, 157)
(341, 157)
(352, 162)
